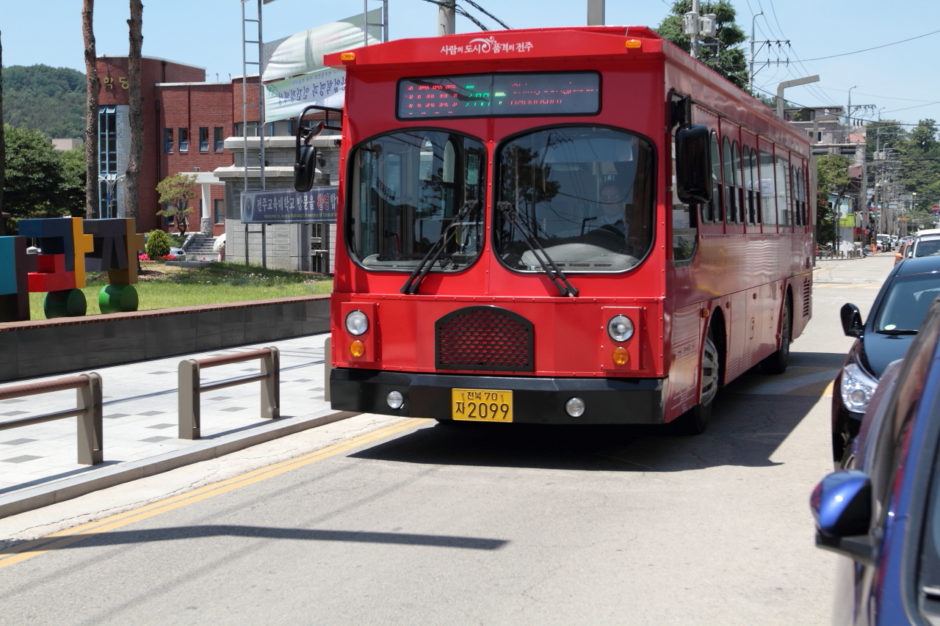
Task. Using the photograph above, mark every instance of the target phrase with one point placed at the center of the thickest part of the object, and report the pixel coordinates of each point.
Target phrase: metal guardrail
(190, 388)
(88, 410)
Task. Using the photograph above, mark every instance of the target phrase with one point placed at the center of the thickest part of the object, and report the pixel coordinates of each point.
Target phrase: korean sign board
(289, 207)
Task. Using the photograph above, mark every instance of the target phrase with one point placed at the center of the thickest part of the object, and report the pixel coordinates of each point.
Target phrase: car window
(906, 303)
(927, 247)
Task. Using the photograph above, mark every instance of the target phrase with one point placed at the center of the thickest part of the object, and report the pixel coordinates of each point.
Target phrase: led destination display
(488, 95)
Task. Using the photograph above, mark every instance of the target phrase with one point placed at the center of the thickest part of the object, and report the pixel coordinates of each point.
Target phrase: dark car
(883, 510)
(895, 316)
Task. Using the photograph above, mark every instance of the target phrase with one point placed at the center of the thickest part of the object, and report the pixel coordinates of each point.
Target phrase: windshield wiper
(450, 232)
(896, 331)
(545, 260)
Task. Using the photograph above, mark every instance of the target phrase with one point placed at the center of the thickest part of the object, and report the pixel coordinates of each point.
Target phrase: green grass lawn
(162, 286)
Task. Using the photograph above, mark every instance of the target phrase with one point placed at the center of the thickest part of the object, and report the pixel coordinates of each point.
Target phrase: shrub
(158, 244)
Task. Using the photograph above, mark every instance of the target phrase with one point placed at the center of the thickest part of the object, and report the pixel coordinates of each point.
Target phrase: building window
(203, 138)
(168, 140)
(184, 140)
(218, 211)
(217, 138)
(107, 161)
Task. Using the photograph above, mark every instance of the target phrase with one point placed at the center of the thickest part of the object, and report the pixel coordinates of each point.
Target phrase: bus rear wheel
(696, 420)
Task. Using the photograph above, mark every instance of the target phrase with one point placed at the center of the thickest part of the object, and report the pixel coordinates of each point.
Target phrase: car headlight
(857, 388)
(620, 328)
(357, 323)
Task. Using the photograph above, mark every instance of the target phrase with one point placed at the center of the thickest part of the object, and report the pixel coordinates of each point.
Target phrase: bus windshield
(413, 192)
(585, 193)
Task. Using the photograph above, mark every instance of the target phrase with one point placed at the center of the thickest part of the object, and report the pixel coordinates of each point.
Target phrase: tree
(832, 175)
(91, 110)
(175, 193)
(50, 99)
(135, 114)
(3, 158)
(40, 182)
(723, 54)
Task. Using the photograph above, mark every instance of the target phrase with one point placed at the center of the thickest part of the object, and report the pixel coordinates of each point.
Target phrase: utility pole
(848, 108)
(446, 17)
(698, 27)
(595, 12)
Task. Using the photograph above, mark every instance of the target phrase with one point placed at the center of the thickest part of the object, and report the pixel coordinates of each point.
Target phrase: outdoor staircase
(198, 247)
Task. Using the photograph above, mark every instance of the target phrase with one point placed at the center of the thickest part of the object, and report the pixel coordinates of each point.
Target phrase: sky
(895, 78)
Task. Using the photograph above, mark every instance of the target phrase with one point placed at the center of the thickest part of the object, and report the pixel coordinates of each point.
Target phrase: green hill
(49, 99)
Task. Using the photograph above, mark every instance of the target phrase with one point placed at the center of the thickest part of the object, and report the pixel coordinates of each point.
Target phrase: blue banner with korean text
(286, 206)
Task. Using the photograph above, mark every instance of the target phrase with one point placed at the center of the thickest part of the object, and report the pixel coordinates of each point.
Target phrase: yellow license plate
(481, 405)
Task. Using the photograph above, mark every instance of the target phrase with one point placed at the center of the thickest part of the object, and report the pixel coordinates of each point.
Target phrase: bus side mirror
(693, 164)
(305, 167)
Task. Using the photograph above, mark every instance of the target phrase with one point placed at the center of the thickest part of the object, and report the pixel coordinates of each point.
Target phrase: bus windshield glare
(584, 192)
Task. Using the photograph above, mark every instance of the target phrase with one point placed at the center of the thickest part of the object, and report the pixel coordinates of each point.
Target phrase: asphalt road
(378, 520)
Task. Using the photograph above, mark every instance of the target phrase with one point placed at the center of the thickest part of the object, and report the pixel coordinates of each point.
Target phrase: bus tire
(777, 362)
(696, 420)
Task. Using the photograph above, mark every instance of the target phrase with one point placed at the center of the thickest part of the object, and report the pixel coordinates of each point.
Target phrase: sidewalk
(38, 464)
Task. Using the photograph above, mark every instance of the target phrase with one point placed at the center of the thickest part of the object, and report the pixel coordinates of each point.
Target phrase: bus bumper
(535, 400)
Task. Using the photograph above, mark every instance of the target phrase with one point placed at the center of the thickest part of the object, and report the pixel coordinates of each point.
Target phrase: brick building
(186, 122)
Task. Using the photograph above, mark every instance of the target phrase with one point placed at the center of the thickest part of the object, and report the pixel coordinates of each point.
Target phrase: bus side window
(711, 212)
(728, 191)
(768, 189)
(684, 220)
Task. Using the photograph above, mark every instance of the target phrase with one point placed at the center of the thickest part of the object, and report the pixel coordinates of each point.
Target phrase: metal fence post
(90, 430)
(189, 426)
(271, 384)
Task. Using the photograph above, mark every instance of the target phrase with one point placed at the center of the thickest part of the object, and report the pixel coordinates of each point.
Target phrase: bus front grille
(484, 338)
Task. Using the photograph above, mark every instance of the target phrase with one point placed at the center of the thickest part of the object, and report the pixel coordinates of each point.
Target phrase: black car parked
(898, 311)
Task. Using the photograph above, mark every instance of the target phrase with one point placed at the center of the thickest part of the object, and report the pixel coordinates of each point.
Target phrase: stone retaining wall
(47, 347)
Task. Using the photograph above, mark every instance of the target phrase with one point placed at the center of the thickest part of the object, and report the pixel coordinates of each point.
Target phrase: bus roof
(536, 43)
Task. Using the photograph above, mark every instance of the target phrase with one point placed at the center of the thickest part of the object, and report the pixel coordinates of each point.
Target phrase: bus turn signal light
(633, 44)
(347, 56)
(620, 356)
(357, 349)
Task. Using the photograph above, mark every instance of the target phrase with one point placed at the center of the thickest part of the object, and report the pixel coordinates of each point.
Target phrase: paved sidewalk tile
(140, 413)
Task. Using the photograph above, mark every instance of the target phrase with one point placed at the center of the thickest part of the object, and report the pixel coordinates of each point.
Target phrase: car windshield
(906, 303)
(927, 247)
(582, 195)
(416, 195)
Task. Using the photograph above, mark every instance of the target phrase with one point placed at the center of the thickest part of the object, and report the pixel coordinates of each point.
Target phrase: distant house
(63, 145)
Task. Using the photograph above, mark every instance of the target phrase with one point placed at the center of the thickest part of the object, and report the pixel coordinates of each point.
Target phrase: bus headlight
(857, 388)
(357, 323)
(620, 328)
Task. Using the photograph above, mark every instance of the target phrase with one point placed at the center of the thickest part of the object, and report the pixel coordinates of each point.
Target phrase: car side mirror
(842, 507)
(851, 318)
(693, 164)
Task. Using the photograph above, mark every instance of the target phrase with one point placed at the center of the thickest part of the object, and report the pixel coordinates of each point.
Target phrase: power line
(487, 13)
(893, 43)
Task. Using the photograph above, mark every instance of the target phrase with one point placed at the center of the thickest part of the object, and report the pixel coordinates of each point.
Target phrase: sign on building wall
(289, 207)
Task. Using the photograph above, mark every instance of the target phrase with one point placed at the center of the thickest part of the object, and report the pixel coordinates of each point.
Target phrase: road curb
(101, 477)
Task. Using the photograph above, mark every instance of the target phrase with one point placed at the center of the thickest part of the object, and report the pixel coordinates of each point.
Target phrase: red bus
(569, 225)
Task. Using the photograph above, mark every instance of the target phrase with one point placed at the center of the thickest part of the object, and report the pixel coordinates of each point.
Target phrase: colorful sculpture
(68, 246)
